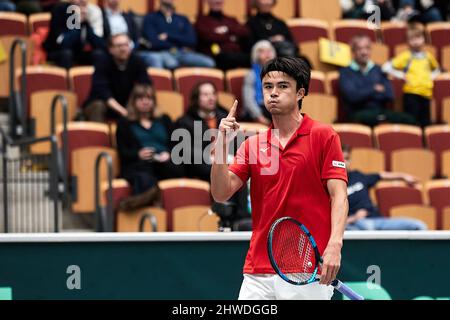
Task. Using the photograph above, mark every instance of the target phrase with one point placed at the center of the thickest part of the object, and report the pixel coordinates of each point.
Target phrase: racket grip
(345, 290)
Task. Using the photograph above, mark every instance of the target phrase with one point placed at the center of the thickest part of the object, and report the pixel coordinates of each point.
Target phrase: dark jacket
(133, 31)
(258, 25)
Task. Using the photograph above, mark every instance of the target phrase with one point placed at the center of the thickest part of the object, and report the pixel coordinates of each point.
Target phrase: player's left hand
(331, 263)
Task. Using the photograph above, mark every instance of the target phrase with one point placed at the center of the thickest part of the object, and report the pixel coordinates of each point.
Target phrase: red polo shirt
(289, 181)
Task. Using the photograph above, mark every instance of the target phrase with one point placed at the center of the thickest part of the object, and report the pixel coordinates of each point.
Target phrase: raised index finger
(232, 113)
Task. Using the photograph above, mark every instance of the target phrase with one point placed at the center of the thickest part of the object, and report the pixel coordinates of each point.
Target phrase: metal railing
(104, 216)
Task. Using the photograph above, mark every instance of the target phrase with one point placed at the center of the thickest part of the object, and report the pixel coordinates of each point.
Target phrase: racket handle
(345, 290)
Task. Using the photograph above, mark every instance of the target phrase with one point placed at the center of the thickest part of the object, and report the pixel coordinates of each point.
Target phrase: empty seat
(13, 24)
(328, 10)
(170, 103)
(195, 218)
(162, 79)
(438, 140)
(367, 160)
(423, 166)
(393, 34)
(424, 213)
(439, 32)
(354, 135)
(390, 137)
(446, 218)
(38, 20)
(317, 83)
(332, 79)
(142, 220)
(441, 90)
(395, 193)
(438, 192)
(445, 164)
(320, 107)
(445, 58)
(234, 80)
(446, 110)
(345, 30)
(80, 79)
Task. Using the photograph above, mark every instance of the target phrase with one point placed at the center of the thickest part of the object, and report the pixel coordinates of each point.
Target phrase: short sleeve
(333, 165)
(240, 165)
(400, 62)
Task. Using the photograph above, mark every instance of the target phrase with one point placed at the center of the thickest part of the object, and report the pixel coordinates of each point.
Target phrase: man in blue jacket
(365, 90)
(171, 40)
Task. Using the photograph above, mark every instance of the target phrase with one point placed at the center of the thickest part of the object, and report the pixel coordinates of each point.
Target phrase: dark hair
(139, 91)
(112, 37)
(296, 68)
(195, 94)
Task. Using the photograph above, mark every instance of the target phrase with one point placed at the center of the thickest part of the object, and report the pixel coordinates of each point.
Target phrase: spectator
(223, 37)
(204, 113)
(67, 44)
(362, 214)
(419, 69)
(113, 80)
(423, 11)
(265, 26)
(363, 9)
(252, 92)
(365, 89)
(115, 21)
(171, 40)
(143, 142)
(6, 5)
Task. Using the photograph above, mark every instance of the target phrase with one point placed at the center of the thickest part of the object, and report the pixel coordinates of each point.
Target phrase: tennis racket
(295, 257)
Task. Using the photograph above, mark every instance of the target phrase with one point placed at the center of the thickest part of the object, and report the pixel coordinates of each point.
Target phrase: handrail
(104, 223)
(21, 113)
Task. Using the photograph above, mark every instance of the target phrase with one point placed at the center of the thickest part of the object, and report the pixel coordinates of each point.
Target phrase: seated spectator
(68, 44)
(363, 9)
(363, 214)
(265, 26)
(6, 5)
(115, 21)
(252, 91)
(171, 40)
(205, 113)
(223, 37)
(113, 81)
(365, 89)
(423, 11)
(418, 68)
(143, 143)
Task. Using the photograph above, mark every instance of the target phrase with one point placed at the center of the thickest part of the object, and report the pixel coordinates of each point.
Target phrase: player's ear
(300, 94)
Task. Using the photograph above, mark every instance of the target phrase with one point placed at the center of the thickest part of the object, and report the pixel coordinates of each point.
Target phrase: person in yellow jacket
(418, 68)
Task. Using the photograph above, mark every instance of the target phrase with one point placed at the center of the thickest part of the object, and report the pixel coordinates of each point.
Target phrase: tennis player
(296, 169)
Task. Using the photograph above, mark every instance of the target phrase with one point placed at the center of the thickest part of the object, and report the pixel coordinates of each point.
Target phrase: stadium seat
(332, 87)
(321, 107)
(404, 47)
(423, 167)
(225, 99)
(236, 9)
(317, 83)
(162, 79)
(234, 80)
(345, 30)
(390, 137)
(132, 221)
(43, 78)
(194, 219)
(393, 34)
(380, 53)
(176, 193)
(140, 7)
(395, 193)
(285, 9)
(397, 87)
(13, 24)
(438, 193)
(170, 103)
(83, 175)
(40, 115)
(367, 160)
(438, 140)
(328, 10)
(445, 161)
(439, 32)
(38, 20)
(446, 218)
(420, 212)
(187, 78)
(354, 135)
(446, 110)
(445, 58)
(80, 81)
(441, 90)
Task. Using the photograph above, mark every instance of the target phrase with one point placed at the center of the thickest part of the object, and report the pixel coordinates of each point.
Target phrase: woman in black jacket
(143, 142)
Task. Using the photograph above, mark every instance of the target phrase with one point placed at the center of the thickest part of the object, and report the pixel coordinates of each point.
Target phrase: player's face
(207, 99)
(280, 93)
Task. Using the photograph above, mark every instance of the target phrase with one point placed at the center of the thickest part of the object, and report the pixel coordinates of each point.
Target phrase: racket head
(292, 251)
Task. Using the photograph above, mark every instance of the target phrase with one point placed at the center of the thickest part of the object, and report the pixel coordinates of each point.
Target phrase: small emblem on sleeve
(338, 164)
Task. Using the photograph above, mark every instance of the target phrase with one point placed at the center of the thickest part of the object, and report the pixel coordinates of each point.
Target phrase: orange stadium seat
(317, 83)
(321, 107)
(441, 90)
(393, 34)
(446, 110)
(424, 213)
(140, 7)
(333, 89)
(423, 167)
(141, 220)
(345, 30)
(178, 193)
(225, 99)
(43, 78)
(380, 53)
(285, 9)
(328, 10)
(395, 193)
(162, 78)
(80, 79)
(438, 192)
(170, 103)
(194, 219)
(445, 58)
(397, 87)
(234, 80)
(439, 38)
(390, 137)
(354, 135)
(187, 78)
(438, 140)
(38, 20)
(13, 24)
(445, 164)
(367, 160)
(446, 218)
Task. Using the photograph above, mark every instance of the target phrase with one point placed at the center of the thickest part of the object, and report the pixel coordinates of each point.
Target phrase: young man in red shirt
(296, 169)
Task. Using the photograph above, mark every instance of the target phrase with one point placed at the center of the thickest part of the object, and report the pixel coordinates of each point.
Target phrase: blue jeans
(172, 60)
(387, 224)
